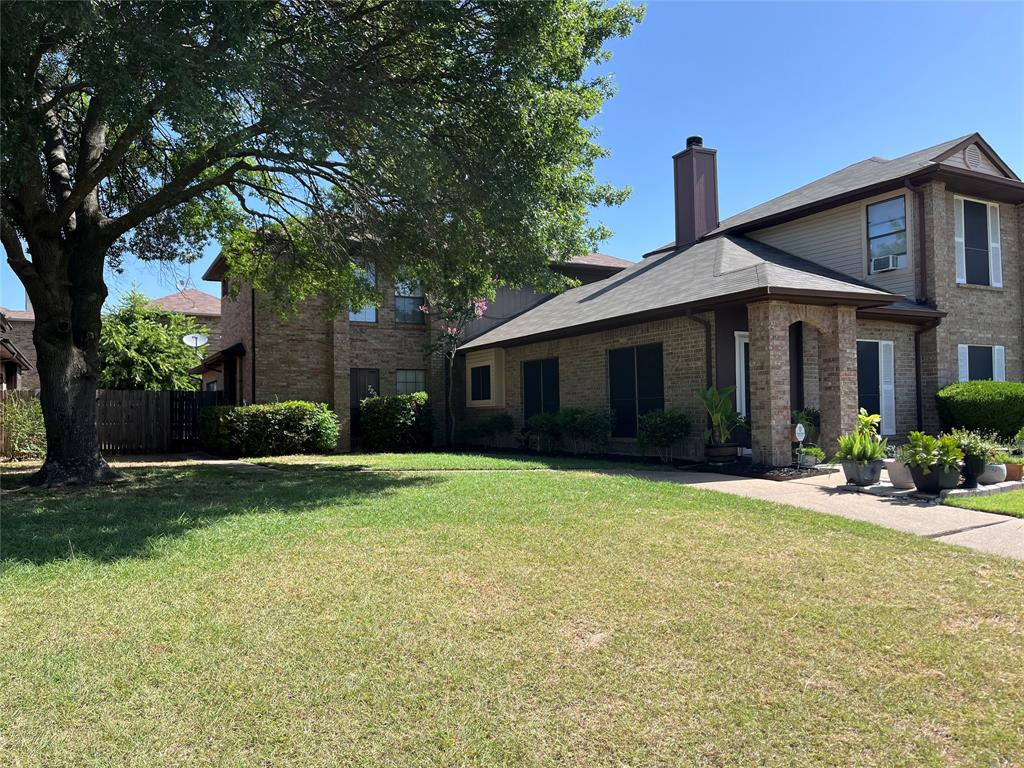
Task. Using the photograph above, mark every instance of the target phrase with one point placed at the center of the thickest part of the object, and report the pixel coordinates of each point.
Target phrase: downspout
(252, 319)
(708, 378)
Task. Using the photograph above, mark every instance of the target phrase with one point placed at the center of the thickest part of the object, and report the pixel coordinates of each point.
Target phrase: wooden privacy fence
(129, 421)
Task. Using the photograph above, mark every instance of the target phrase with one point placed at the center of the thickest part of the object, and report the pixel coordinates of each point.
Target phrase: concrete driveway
(984, 531)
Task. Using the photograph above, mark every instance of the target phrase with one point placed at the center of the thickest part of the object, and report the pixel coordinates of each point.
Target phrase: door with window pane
(363, 383)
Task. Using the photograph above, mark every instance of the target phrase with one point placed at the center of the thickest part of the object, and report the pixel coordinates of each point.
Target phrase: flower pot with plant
(810, 456)
(861, 455)
(979, 451)
(934, 462)
(1014, 466)
(897, 469)
(724, 418)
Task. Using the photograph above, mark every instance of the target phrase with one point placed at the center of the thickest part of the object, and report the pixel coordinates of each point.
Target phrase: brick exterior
(583, 373)
(309, 354)
(21, 334)
(975, 314)
(904, 379)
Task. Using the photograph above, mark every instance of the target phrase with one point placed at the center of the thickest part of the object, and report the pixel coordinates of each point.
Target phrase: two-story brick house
(874, 286)
(341, 359)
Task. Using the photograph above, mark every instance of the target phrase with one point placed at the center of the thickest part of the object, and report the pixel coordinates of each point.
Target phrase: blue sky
(787, 92)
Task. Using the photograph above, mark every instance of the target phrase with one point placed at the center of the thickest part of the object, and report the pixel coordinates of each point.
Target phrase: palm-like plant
(724, 416)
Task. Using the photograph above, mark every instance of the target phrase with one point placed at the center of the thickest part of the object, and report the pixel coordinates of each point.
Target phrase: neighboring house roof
(9, 351)
(212, 362)
(723, 269)
(600, 260)
(857, 179)
(189, 302)
(15, 315)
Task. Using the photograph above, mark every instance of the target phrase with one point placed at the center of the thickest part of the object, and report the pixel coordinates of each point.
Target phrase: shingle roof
(602, 260)
(860, 175)
(18, 314)
(723, 267)
(189, 302)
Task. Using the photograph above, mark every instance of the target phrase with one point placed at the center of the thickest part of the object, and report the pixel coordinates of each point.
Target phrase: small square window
(409, 381)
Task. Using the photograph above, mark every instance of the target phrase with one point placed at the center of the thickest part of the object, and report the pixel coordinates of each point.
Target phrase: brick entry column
(769, 382)
(838, 361)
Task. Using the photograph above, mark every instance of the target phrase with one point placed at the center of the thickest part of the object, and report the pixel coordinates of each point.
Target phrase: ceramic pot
(899, 474)
(974, 466)
(807, 462)
(862, 473)
(994, 473)
(936, 480)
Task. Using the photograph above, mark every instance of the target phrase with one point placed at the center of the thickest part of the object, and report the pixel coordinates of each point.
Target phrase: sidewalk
(996, 534)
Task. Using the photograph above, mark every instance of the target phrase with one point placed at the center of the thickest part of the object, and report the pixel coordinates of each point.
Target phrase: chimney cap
(694, 141)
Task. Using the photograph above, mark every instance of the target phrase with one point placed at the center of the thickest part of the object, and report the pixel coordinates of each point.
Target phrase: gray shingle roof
(707, 271)
(866, 173)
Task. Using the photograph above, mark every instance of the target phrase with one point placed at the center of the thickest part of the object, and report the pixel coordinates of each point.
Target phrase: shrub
(271, 429)
(662, 430)
(489, 429)
(812, 450)
(545, 429)
(926, 452)
(860, 446)
(396, 423)
(975, 444)
(584, 430)
(23, 427)
(991, 406)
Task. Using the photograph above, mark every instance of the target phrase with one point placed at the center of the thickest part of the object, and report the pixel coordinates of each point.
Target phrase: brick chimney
(696, 191)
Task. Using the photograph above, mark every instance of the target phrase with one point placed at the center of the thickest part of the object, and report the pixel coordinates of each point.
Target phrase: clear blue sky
(786, 93)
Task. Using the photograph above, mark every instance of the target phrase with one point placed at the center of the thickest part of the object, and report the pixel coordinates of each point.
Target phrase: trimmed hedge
(580, 430)
(988, 406)
(270, 429)
(489, 429)
(662, 430)
(396, 423)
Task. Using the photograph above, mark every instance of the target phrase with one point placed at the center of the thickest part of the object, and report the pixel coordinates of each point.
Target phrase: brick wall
(904, 378)
(583, 372)
(975, 314)
(21, 335)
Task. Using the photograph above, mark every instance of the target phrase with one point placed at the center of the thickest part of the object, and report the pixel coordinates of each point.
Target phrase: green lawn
(1010, 503)
(446, 461)
(198, 617)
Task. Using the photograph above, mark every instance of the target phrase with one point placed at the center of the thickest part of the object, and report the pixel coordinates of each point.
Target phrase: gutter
(708, 377)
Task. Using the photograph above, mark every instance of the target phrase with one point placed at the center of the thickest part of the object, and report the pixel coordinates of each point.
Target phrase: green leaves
(142, 348)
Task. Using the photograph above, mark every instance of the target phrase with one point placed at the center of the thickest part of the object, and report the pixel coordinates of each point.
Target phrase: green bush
(396, 423)
(989, 406)
(271, 429)
(662, 430)
(545, 429)
(23, 427)
(860, 446)
(583, 430)
(489, 429)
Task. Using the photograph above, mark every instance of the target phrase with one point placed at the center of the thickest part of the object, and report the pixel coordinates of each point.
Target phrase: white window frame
(398, 380)
(867, 235)
(998, 361)
(995, 250)
(886, 389)
(741, 338)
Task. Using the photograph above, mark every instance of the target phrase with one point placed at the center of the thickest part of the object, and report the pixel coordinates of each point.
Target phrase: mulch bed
(760, 471)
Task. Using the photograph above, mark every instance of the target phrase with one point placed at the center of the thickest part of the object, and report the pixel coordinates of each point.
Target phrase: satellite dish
(194, 340)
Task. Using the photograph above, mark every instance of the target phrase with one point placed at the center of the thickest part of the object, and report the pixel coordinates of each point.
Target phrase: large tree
(438, 139)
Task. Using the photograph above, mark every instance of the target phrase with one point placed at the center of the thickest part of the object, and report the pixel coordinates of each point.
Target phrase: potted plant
(810, 456)
(995, 472)
(861, 453)
(1014, 466)
(724, 419)
(978, 453)
(897, 469)
(934, 463)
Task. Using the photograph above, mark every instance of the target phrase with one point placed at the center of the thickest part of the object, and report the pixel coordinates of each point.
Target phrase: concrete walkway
(996, 534)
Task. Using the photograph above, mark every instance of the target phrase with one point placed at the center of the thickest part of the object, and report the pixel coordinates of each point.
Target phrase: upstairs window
(408, 300)
(635, 386)
(366, 314)
(887, 235)
(978, 251)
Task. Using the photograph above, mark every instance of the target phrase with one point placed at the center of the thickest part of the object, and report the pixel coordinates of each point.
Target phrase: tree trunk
(66, 336)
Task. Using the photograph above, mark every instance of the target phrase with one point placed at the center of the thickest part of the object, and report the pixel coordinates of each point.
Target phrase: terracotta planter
(899, 474)
(862, 473)
(720, 453)
(1014, 472)
(936, 480)
(994, 473)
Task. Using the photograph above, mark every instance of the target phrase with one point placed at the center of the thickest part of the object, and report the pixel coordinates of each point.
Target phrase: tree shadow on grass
(125, 520)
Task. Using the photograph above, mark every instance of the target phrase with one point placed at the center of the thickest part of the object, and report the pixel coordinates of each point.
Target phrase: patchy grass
(1009, 503)
(316, 618)
(448, 461)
